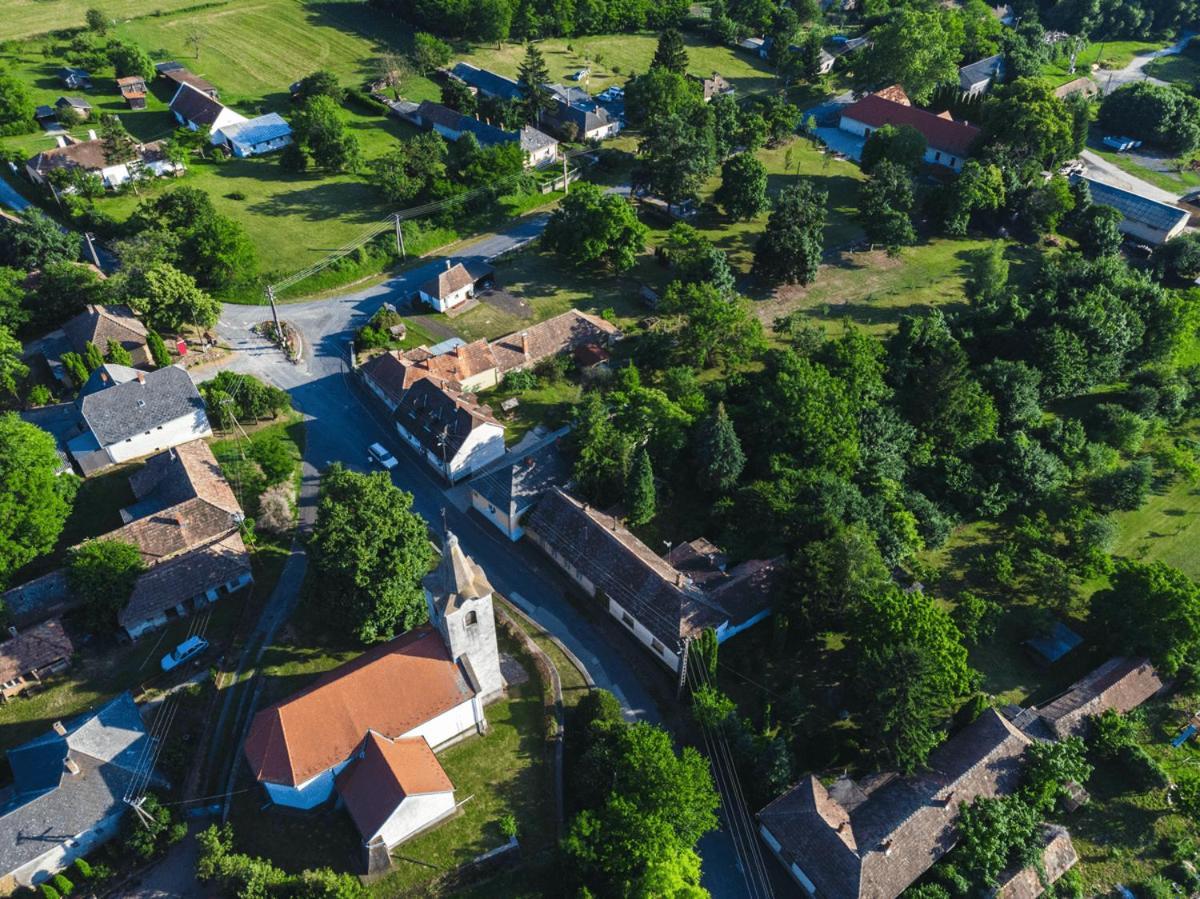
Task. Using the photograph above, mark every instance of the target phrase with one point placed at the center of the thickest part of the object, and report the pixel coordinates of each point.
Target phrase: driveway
(1101, 169)
(1111, 80)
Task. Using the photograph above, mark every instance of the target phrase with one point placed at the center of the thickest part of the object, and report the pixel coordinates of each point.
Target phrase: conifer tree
(670, 53)
(639, 490)
(92, 356)
(718, 453)
(532, 74)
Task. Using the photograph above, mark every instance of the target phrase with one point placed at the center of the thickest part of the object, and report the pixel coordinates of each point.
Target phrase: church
(368, 732)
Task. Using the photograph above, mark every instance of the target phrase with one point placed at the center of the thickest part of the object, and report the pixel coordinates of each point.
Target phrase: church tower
(459, 598)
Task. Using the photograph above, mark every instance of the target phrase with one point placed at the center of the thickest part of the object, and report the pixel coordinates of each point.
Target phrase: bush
(508, 825)
(62, 884)
(84, 868)
(521, 380)
(39, 395)
(1157, 887)
(274, 456)
(48, 892)
(1144, 772)
(275, 509)
(158, 349)
(553, 368)
(365, 102)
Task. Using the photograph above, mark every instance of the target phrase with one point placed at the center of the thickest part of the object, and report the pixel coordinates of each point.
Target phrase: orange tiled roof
(387, 772)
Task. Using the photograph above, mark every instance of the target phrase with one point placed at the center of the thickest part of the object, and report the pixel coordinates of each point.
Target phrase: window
(937, 157)
(627, 620)
(472, 618)
(657, 647)
(953, 162)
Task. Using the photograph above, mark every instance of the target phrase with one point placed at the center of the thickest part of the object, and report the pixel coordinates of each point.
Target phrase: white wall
(932, 156)
(1146, 234)
(542, 154)
(667, 655)
(484, 445)
(173, 433)
(448, 725)
(413, 814)
(449, 302)
(225, 117)
(497, 516)
(56, 859)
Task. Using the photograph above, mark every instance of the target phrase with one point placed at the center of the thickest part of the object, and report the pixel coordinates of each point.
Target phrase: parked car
(580, 75)
(188, 649)
(379, 454)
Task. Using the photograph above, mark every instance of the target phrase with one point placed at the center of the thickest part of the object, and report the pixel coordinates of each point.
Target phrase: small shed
(77, 105)
(1053, 645)
(76, 79)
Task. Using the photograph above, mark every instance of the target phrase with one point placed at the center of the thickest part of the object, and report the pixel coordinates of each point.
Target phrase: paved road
(1111, 80)
(1101, 169)
(341, 424)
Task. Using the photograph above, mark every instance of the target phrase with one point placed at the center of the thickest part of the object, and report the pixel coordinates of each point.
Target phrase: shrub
(275, 509)
(48, 892)
(553, 368)
(508, 825)
(521, 380)
(39, 395)
(1112, 732)
(84, 868)
(62, 884)
(1157, 887)
(274, 457)
(235, 195)
(1144, 772)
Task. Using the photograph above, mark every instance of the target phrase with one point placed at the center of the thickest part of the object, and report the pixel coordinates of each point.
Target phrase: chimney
(842, 826)
(448, 265)
(91, 134)
(60, 729)
(458, 350)
(525, 343)
(103, 376)
(12, 631)
(71, 765)
(141, 376)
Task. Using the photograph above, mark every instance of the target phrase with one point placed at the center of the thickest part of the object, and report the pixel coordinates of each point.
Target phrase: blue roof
(1056, 644)
(258, 130)
(487, 82)
(1135, 207)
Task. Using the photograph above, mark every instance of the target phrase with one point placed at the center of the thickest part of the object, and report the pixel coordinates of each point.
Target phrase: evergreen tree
(719, 453)
(117, 354)
(92, 357)
(670, 53)
(119, 145)
(789, 251)
(743, 190)
(532, 74)
(158, 349)
(639, 491)
(78, 372)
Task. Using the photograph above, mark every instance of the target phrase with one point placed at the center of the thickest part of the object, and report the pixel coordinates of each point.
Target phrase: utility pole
(566, 179)
(274, 312)
(89, 239)
(399, 237)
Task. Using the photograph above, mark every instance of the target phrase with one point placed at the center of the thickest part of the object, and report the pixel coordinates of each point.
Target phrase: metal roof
(258, 130)
(1135, 207)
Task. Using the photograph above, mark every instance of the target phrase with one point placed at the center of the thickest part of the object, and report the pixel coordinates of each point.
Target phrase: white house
(977, 79)
(1142, 218)
(90, 156)
(948, 143)
(539, 148)
(198, 111)
(505, 492)
(663, 603)
(453, 432)
(448, 288)
(263, 134)
(369, 729)
(127, 414)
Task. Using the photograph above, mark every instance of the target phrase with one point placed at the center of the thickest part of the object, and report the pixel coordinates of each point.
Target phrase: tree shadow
(318, 203)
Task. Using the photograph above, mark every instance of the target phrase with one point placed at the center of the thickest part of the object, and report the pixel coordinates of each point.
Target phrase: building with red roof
(948, 142)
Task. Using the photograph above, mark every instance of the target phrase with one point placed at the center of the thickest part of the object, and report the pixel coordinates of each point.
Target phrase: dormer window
(472, 618)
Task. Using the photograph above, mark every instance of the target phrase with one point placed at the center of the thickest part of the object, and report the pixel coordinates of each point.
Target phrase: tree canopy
(34, 499)
(789, 250)
(103, 574)
(591, 227)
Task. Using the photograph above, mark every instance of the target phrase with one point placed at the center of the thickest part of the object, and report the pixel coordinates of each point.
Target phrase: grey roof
(988, 69)
(457, 577)
(586, 116)
(487, 82)
(124, 406)
(439, 418)
(516, 484)
(38, 599)
(258, 130)
(73, 102)
(195, 105)
(50, 804)
(1135, 207)
(532, 139)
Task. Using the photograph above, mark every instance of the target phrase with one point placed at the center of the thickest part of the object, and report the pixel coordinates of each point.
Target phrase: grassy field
(1179, 68)
(24, 18)
(1106, 55)
(1177, 180)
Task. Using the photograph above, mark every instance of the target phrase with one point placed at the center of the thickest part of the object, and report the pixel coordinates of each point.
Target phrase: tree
(34, 499)
(457, 96)
(92, 357)
(158, 349)
(130, 59)
(430, 52)
(660, 93)
(117, 354)
(591, 227)
(885, 205)
(743, 190)
(695, 259)
(1099, 232)
(978, 188)
(321, 83)
(670, 54)
(119, 144)
(532, 75)
(320, 128)
(194, 39)
(677, 156)
(96, 21)
(1180, 257)
(170, 299)
(1158, 114)
(719, 455)
(713, 327)
(12, 370)
(917, 48)
(987, 275)
(994, 835)
(411, 169)
(62, 290)
(146, 834)
(640, 503)
(1028, 117)
(1050, 766)
(76, 370)
(1044, 205)
(603, 452)
(13, 315)
(493, 20)
(1124, 488)
(1151, 609)
(903, 145)
(16, 104)
(103, 574)
(789, 250)
(370, 552)
(36, 241)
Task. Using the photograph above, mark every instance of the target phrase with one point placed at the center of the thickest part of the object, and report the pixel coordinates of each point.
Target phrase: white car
(382, 456)
(189, 648)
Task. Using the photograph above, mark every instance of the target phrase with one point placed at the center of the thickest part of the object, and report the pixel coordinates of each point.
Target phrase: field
(1179, 68)
(1106, 55)
(23, 18)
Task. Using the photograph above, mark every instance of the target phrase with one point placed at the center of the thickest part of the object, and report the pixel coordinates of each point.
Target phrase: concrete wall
(497, 516)
(60, 856)
(413, 814)
(173, 433)
(542, 155)
(1152, 236)
(457, 298)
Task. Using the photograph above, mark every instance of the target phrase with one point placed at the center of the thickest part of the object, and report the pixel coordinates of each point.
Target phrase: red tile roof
(875, 111)
(390, 689)
(387, 772)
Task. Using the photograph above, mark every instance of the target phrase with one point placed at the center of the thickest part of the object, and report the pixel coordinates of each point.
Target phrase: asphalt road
(1111, 80)
(341, 425)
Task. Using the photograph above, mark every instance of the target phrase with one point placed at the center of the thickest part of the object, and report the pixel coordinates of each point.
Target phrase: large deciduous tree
(370, 552)
(34, 499)
(1151, 609)
(789, 251)
(885, 206)
(320, 128)
(1158, 114)
(1035, 123)
(743, 190)
(591, 227)
(713, 327)
(919, 48)
(170, 299)
(16, 104)
(103, 574)
(677, 156)
(36, 242)
(903, 145)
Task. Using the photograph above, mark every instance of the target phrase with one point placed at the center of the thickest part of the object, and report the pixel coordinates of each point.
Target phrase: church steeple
(459, 598)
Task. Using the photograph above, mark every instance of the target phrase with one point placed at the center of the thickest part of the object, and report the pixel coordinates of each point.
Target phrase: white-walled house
(947, 142)
(505, 492)
(254, 137)
(368, 731)
(198, 111)
(449, 288)
(128, 414)
(1142, 218)
(451, 430)
(89, 156)
(663, 603)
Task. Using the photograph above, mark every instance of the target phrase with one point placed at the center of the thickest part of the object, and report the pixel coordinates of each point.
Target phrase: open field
(23, 18)
(1164, 529)
(1179, 68)
(1106, 55)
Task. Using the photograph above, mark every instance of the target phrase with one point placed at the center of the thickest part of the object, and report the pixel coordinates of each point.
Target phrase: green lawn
(23, 18)
(1179, 68)
(1177, 180)
(1106, 55)
(235, 453)
(1164, 529)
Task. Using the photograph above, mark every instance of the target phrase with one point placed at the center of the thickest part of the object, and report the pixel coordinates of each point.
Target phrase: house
(504, 493)
(948, 142)
(976, 79)
(663, 605)
(77, 107)
(128, 414)
(466, 367)
(178, 74)
(29, 655)
(91, 157)
(454, 285)
(561, 334)
(1142, 218)
(45, 115)
(539, 148)
(872, 838)
(487, 83)
(576, 119)
(454, 434)
(1058, 857)
(1122, 683)
(368, 731)
(713, 86)
(68, 791)
(38, 600)
(133, 89)
(75, 79)
(98, 325)
(199, 111)
(262, 134)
